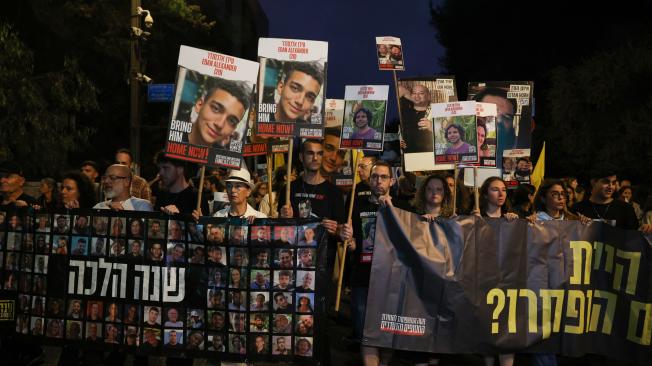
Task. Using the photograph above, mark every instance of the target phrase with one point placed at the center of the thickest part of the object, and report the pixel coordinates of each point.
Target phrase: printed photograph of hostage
(292, 92)
(365, 108)
(456, 136)
(215, 107)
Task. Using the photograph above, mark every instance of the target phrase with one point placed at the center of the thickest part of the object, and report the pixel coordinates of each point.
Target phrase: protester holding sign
(364, 215)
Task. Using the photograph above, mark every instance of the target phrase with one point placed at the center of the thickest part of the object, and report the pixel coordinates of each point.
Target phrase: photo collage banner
(158, 284)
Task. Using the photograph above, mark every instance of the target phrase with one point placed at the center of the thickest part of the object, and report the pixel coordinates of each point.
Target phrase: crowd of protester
(245, 193)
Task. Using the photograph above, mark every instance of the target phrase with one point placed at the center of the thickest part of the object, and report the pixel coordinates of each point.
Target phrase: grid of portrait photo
(249, 288)
(260, 297)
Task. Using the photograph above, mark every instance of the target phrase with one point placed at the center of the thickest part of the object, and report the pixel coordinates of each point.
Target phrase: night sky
(350, 28)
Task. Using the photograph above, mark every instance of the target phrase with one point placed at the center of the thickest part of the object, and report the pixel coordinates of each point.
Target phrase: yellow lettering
(578, 247)
(546, 311)
(531, 308)
(634, 312)
(499, 297)
(574, 311)
(512, 294)
(634, 259)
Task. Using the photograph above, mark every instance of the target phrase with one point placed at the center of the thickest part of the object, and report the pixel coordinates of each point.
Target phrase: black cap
(9, 167)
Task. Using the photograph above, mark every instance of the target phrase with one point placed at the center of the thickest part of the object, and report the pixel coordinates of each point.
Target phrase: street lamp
(136, 77)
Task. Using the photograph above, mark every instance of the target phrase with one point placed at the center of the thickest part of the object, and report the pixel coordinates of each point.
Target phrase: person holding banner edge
(364, 212)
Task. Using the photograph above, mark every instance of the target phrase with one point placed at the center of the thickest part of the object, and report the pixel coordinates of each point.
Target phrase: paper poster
(455, 132)
(292, 85)
(336, 163)
(487, 137)
(513, 100)
(517, 167)
(364, 117)
(415, 97)
(211, 107)
(390, 53)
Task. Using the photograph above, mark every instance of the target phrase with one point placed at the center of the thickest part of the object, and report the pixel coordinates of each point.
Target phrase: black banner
(155, 284)
(474, 285)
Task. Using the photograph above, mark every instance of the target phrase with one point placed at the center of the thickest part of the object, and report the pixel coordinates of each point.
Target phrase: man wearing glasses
(238, 189)
(116, 184)
(364, 214)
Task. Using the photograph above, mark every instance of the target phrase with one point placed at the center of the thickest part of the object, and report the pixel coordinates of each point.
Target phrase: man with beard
(178, 196)
(395, 55)
(311, 194)
(523, 170)
(381, 180)
(116, 183)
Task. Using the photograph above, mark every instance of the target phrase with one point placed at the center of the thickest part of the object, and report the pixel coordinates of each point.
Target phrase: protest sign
(415, 97)
(455, 132)
(365, 108)
(337, 163)
(390, 53)
(517, 167)
(211, 106)
(487, 137)
(155, 284)
(292, 87)
(514, 111)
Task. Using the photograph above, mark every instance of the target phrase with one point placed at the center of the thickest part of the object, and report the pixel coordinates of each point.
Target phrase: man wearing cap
(238, 189)
(116, 183)
(11, 187)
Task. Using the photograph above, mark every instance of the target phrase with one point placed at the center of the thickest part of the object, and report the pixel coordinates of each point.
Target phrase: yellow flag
(279, 160)
(539, 170)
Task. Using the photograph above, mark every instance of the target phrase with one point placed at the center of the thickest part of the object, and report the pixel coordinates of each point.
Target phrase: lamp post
(135, 78)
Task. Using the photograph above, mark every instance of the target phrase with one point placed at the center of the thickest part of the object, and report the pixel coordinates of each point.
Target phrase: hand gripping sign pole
(346, 243)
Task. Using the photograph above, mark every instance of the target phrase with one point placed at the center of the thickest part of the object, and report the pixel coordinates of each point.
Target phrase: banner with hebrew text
(488, 286)
(155, 284)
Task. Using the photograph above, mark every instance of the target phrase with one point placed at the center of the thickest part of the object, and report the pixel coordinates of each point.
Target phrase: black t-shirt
(364, 229)
(186, 201)
(23, 197)
(619, 211)
(323, 200)
(417, 140)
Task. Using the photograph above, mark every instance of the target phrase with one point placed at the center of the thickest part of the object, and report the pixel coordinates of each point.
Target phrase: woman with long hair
(493, 200)
(550, 203)
(433, 198)
(77, 191)
(494, 204)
